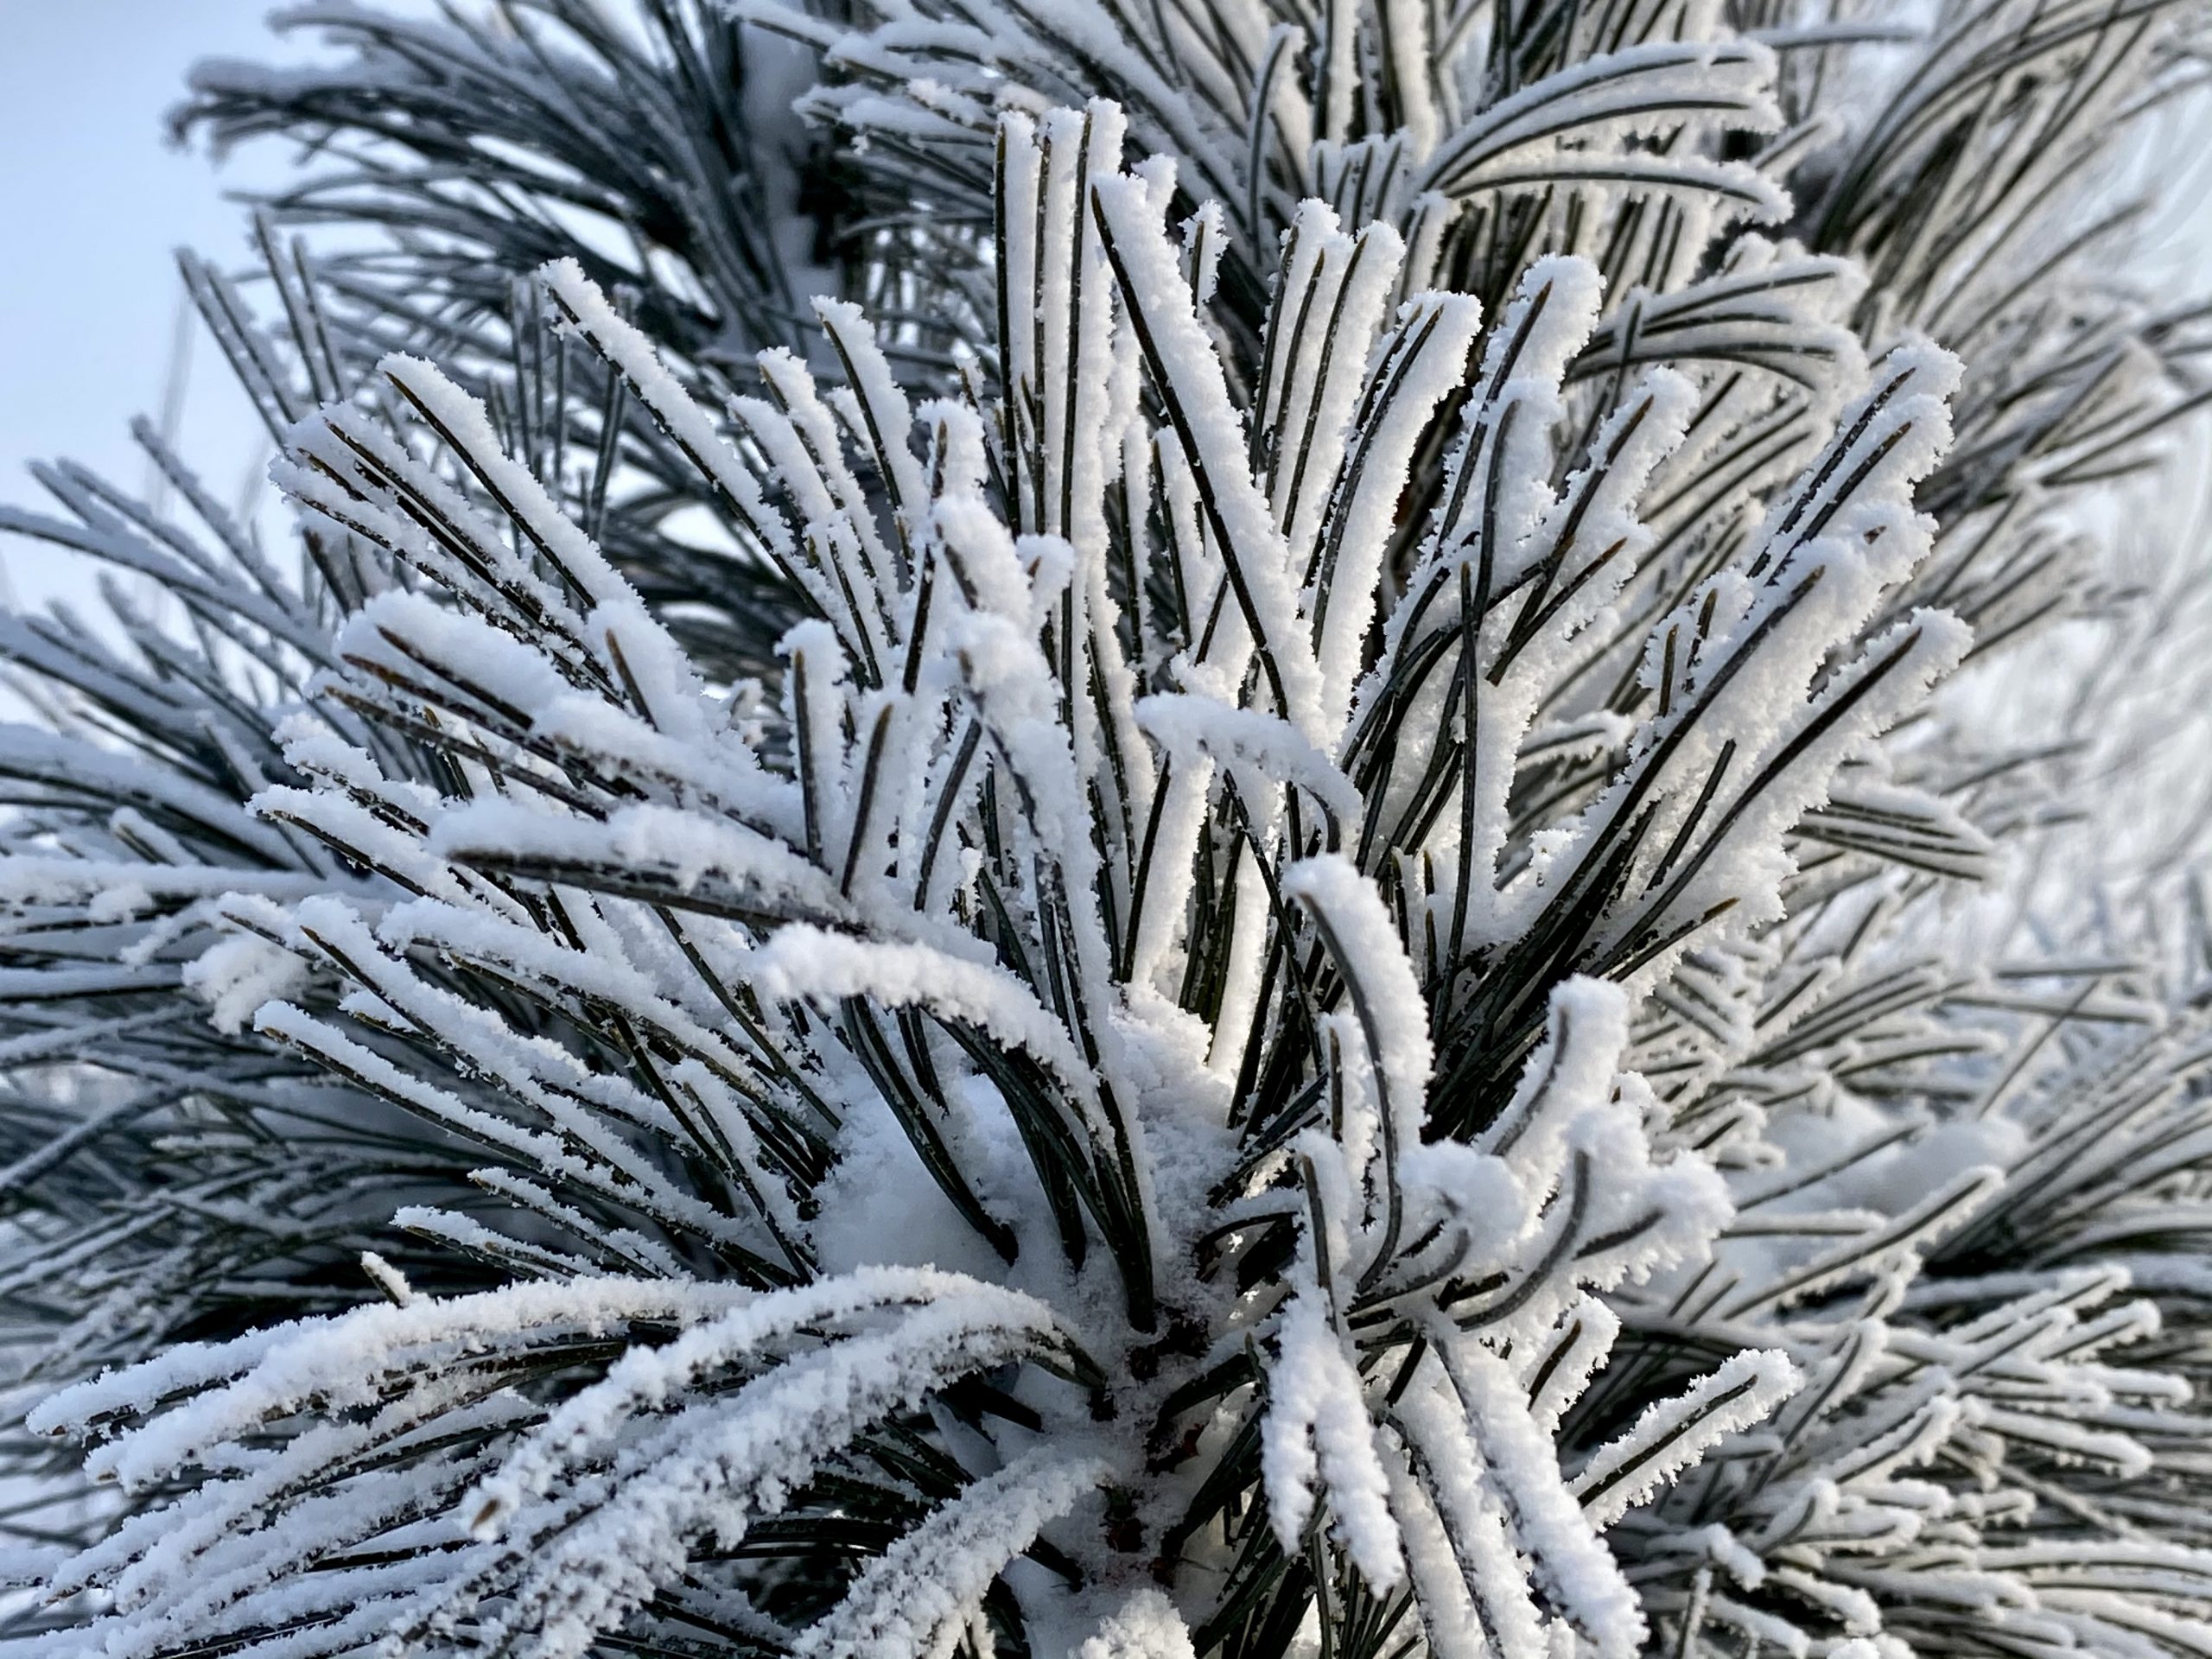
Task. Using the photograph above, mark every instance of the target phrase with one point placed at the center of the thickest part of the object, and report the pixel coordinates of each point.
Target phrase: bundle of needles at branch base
(1259, 970)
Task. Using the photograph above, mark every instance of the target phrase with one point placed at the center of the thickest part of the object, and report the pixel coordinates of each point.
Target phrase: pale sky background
(93, 202)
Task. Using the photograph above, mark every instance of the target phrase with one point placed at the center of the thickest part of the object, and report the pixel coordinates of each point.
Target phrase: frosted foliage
(1218, 923)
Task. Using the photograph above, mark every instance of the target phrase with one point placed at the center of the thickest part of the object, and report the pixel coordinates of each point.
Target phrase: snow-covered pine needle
(1220, 921)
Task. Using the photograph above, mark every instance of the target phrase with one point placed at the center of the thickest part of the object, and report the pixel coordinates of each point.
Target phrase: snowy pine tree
(1227, 914)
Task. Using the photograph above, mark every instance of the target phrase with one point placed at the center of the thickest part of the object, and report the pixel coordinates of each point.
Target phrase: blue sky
(94, 202)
